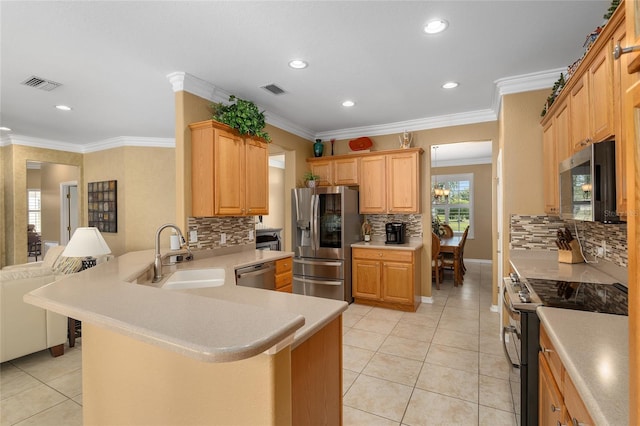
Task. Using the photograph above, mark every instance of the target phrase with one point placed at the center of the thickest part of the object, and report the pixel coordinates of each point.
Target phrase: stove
(521, 333)
(591, 297)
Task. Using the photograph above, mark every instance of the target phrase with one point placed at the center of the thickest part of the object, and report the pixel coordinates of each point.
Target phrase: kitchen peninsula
(227, 354)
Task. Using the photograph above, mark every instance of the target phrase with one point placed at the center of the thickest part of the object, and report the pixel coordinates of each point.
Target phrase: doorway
(68, 210)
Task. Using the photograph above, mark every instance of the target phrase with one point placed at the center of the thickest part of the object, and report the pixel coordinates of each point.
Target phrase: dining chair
(436, 259)
(464, 241)
(447, 231)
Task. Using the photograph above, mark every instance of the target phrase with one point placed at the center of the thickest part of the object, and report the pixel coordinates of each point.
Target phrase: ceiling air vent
(41, 83)
(273, 89)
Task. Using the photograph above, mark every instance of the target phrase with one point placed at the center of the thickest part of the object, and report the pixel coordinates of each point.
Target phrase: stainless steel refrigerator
(325, 224)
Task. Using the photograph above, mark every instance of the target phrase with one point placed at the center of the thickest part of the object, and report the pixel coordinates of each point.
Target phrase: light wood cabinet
(386, 277)
(558, 398)
(229, 173)
(579, 112)
(284, 275)
(390, 183)
(601, 94)
(341, 171)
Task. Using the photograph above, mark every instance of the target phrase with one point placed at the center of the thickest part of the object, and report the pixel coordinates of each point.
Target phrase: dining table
(453, 245)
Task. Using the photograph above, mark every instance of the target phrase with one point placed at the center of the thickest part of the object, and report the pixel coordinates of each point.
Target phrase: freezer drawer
(319, 287)
(327, 269)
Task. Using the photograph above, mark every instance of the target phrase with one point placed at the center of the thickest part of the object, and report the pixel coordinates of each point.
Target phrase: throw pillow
(67, 265)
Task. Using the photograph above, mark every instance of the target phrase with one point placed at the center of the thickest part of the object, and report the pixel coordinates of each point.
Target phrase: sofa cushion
(20, 274)
(53, 253)
(67, 265)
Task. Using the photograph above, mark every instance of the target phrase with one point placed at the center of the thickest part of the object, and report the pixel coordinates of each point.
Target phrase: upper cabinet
(339, 171)
(389, 181)
(229, 172)
(588, 110)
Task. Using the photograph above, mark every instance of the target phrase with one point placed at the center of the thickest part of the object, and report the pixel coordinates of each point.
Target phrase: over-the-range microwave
(588, 184)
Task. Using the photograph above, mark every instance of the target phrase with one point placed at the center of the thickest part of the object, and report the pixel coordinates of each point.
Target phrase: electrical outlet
(223, 238)
(600, 252)
(193, 236)
(251, 235)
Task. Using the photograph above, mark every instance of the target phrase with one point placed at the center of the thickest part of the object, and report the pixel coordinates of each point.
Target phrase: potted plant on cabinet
(310, 179)
(242, 115)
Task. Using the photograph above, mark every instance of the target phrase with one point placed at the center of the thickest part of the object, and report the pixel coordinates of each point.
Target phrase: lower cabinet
(558, 398)
(386, 277)
(284, 275)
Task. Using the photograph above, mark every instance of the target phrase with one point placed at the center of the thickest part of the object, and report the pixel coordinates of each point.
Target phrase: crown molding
(117, 142)
(471, 117)
(464, 162)
(182, 81)
(523, 83)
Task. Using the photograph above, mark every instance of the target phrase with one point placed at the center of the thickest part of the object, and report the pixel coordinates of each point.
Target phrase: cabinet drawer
(283, 265)
(382, 254)
(286, 289)
(550, 354)
(284, 279)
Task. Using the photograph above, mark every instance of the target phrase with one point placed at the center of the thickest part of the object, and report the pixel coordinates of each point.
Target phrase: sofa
(24, 328)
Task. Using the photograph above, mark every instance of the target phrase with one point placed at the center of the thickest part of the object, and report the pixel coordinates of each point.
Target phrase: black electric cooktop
(604, 298)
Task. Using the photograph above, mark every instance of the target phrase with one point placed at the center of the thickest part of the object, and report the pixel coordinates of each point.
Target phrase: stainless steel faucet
(157, 263)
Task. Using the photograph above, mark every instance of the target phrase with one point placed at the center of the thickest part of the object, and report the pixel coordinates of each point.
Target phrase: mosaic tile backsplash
(539, 233)
(210, 228)
(413, 221)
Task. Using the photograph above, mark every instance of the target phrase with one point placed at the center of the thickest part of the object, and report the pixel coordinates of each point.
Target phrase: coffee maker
(395, 232)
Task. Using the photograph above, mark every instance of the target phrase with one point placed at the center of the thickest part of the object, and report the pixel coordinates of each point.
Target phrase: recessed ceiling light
(450, 85)
(348, 103)
(5, 129)
(298, 64)
(436, 26)
(63, 107)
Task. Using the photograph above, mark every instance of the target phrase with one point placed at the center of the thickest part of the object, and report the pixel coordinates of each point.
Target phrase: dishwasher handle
(254, 270)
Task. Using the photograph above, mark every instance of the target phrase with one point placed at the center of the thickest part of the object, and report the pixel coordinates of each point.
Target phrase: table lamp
(86, 243)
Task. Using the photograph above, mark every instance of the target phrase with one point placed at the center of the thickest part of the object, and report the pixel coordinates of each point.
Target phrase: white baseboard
(425, 299)
(494, 308)
(483, 261)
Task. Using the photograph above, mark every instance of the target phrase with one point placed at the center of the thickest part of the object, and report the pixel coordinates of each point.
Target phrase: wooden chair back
(436, 258)
(448, 232)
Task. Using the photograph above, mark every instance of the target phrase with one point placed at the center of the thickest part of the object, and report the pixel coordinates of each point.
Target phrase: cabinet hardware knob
(554, 408)
(619, 51)
(546, 350)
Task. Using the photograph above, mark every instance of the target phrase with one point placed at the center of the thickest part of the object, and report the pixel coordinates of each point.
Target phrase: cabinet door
(580, 114)
(562, 133)
(403, 183)
(550, 169)
(257, 178)
(202, 185)
(397, 282)
(576, 410)
(373, 184)
(229, 174)
(366, 279)
(345, 171)
(324, 170)
(601, 94)
(550, 406)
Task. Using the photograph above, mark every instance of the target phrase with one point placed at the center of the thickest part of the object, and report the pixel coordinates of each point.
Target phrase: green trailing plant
(555, 91)
(242, 115)
(310, 176)
(612, 8)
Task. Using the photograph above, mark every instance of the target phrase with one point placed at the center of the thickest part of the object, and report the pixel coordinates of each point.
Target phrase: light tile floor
(440, 365)
(443, 364)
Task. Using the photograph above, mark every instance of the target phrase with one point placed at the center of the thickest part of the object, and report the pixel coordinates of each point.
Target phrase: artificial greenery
(242, 115)
(310, 176)
(612, 8)
(555, 91)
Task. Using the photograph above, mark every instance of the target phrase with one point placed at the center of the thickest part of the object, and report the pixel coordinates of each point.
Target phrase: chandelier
(439, 191)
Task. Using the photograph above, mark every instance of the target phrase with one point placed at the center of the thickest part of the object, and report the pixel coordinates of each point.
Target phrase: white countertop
(544, 264)
(220, 324)
(594, 350)
(411, 245)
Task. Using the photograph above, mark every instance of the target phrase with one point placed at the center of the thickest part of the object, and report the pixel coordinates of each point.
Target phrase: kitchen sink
(195, 278)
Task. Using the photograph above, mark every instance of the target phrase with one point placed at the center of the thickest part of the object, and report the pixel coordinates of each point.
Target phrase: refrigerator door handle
(314, 222)
(317, 262)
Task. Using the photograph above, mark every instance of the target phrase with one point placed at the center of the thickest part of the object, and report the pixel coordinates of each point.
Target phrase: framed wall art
(102, 199)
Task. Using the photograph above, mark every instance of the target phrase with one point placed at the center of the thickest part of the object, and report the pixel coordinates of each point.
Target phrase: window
(452, 201)
(33, 209)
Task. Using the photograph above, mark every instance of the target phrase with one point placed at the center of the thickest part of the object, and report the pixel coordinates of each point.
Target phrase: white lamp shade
(86, 242)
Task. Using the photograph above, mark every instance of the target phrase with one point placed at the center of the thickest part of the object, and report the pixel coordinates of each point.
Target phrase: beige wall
(14, 209)
(146, 193)
(33, 179)
(52, 176)
(275, 218)
(478, 247)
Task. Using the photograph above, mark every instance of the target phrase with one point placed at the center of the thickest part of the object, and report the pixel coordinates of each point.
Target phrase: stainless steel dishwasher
(260, 275)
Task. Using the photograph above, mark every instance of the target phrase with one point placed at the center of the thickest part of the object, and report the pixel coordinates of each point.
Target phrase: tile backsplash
(539, 233)
(413, 221)
(209, 230)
